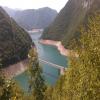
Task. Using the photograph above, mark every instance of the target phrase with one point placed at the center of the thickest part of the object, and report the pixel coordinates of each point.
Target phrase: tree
(89, 60)
(82, 77)
(9, 90)
(81, 80)
(37, 85)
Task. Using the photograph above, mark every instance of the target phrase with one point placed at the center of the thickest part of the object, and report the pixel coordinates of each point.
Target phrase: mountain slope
(32, 18)
(14, 41)
(64, 27)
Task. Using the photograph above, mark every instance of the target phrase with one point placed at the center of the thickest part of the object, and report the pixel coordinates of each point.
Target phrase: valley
(50, 53)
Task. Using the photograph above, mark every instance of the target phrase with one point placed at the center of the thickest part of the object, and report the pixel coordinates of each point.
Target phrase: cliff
(65, 27)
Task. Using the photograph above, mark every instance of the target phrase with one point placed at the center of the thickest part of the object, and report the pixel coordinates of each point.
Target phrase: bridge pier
(62, 70)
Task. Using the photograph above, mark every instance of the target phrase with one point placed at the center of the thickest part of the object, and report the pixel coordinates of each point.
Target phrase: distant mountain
(14, 41)
(32, 18)
(10, 11)
(75, 12)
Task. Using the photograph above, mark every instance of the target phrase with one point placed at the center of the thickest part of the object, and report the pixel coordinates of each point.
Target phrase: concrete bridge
(61, 68)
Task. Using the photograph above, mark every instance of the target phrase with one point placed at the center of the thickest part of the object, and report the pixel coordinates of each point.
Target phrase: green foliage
(9, 90)
(89, 63)
(37, 85)
(81, 80)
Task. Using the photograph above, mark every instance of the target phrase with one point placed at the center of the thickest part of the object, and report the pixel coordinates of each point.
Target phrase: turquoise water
(50, 54)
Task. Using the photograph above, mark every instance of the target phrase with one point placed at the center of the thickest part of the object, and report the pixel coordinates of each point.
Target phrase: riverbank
(60, 47)
(15, 69)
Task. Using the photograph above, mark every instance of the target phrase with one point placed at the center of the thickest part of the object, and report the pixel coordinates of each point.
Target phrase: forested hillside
(81, 80)
(33, 18)
(81, 77)
(65, 26)
(14, 41)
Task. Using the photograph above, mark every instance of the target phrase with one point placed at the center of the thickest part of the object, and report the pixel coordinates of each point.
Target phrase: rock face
(14, 41)
(32, 18)
(64, 28)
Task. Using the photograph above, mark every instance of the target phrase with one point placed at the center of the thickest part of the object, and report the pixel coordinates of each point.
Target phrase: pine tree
(37, 85)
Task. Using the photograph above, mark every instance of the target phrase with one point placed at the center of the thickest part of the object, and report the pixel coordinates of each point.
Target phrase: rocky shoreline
(20, 67)
(15, 69)
(60, 47)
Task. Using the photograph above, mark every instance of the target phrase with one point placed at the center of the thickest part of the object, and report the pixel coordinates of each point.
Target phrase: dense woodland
(81, 80)
(14, 41)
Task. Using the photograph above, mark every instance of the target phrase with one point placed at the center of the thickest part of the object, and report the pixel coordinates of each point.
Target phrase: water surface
(50, 54)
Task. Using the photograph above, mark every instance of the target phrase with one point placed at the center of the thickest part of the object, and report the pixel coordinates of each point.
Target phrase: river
(50, 54)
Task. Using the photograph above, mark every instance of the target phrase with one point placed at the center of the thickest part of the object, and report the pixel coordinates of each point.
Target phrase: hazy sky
(28, 4)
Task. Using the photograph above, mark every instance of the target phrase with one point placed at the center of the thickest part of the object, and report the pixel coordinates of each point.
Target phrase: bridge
(61, 68)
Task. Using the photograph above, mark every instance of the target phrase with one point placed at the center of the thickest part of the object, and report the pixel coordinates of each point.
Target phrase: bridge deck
(52, 64)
